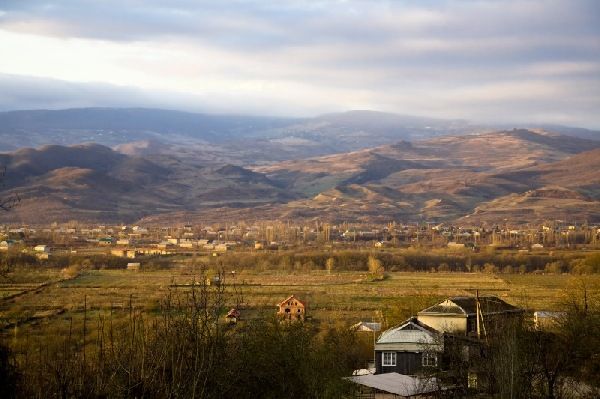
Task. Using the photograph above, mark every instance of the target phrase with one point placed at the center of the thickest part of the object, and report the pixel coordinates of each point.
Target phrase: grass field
(47, 302)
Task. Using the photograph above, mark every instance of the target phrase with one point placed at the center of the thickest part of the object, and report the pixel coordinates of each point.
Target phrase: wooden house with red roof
(291, 308)
(233, 315)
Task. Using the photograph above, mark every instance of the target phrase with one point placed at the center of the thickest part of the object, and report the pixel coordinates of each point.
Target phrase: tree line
(414, 260)
(347, 260)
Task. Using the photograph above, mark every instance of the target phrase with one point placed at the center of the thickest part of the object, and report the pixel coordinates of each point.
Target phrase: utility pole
(477, 314)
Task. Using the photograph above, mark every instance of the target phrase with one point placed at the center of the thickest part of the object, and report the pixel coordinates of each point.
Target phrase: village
(433, 310)
(134, 241)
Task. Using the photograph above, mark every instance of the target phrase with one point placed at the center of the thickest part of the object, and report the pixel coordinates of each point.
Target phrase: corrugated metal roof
(398, 384)
(411, 331)
(467, 305)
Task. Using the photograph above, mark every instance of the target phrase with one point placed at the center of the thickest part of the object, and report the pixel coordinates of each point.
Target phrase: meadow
(39, 302)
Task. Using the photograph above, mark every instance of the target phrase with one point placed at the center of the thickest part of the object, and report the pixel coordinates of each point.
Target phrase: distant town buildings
(135, 241)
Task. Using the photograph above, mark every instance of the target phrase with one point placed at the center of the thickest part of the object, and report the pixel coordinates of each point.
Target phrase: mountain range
(235, 139)
(357, 166)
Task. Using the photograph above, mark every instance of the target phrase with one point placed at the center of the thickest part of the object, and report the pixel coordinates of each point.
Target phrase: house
(366, 326)
(152, 251)
(233, 316)
(105, 241)
(163, 245)
(133, 266)
(221, 247)
(408, 348)
(458, 315)
(41, 248)
(291, 308)
(5, 245)
(118, 252)
(420, 342)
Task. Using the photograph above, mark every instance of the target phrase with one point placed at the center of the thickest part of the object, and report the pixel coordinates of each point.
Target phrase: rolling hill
(448, 178)
(91, 182)
(527, 175)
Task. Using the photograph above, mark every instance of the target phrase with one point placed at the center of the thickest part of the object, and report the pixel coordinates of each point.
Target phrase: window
(429, 359)
(388, 358)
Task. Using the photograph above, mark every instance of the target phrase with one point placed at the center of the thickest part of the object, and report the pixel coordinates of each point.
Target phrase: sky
(485, 61)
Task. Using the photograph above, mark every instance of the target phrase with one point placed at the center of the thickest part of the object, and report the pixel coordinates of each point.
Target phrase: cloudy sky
(501, 61)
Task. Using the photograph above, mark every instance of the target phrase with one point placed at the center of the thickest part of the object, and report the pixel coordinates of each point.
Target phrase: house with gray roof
(458, 315)
(407, 348)
(418, 344)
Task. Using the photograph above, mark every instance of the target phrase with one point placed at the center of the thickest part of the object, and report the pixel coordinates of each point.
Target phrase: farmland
(38, 301)
(97, 327)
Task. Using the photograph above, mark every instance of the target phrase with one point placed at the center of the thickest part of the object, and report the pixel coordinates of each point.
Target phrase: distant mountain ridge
(235, 139)
(528, 176)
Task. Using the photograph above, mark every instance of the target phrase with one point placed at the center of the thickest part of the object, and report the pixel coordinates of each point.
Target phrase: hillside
(446, 178)
(94, 183)
(567, 190)
(522, 174)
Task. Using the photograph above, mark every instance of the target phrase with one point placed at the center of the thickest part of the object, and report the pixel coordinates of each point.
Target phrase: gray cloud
(26, 92)
(514, 59)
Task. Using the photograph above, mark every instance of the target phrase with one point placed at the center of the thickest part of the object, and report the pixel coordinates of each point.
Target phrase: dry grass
(339, 298)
